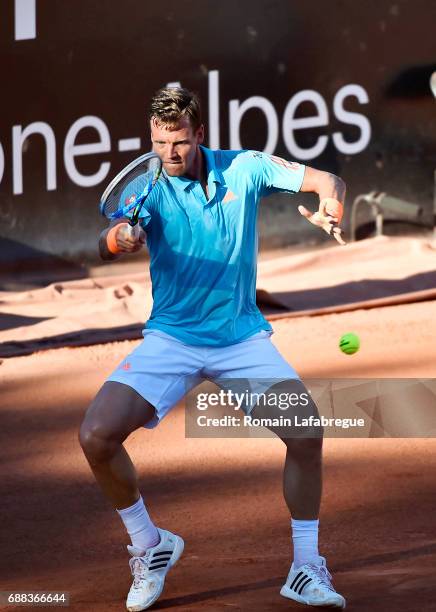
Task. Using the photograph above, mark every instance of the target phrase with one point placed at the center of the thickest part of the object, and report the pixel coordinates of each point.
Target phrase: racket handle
(134, 230)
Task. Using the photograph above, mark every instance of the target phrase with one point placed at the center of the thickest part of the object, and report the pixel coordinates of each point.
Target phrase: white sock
(139, 525)
(305, 540)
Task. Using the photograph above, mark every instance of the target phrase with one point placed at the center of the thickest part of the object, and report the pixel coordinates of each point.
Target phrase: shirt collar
(212, 173)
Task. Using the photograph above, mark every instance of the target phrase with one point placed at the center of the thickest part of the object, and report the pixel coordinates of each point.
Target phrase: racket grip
(134, 230)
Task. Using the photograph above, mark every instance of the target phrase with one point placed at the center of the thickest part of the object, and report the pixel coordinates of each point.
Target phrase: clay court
(350, 91)
(223, 496)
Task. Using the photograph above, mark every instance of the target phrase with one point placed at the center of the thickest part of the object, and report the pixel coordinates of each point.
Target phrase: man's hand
(116, 240)
(126, 242)
(327, 217)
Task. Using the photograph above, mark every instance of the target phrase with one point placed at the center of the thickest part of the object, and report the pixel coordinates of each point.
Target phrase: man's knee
(304, 448)
(97, 441)
(115, 412)
(96, 445)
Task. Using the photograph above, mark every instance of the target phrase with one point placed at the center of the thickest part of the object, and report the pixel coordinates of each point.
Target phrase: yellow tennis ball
(349, 343)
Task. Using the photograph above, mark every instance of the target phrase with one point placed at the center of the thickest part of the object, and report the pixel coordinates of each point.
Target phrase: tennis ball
(349, 343)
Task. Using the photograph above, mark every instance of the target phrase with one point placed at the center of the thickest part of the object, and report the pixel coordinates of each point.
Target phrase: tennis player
(199, 224)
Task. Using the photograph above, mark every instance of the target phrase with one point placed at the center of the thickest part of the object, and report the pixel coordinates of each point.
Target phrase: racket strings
(126, 194)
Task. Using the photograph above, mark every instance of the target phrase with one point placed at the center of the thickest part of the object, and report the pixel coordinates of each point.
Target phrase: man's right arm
(120, 241)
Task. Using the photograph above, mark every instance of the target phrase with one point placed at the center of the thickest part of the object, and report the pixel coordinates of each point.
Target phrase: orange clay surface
(223, 496)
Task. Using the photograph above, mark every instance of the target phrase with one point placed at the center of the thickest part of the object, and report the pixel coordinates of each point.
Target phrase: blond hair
(171, 104)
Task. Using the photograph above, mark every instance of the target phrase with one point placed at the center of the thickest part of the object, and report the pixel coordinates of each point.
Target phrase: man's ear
(200, 134)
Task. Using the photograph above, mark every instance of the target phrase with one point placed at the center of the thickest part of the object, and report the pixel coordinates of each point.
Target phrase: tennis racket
(126, 193)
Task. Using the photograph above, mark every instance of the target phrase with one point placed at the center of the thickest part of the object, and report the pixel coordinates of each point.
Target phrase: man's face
(177, 146)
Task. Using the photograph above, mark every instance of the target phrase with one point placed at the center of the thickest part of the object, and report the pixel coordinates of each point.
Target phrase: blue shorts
(163, 369)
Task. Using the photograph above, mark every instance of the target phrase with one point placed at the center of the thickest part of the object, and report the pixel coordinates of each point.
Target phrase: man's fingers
(137, 247)
(303, 210)
(337, 233)
(129, 247)
(316, 218)
(128, 242)
(326, 222)
(125, 234)
(331, 207)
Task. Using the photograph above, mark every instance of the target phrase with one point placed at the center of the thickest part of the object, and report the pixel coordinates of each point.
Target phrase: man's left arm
(273, 174)
(331, 191)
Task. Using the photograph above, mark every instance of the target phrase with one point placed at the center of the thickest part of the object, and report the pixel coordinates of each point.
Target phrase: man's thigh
(161, 369)
(274, 391)
(287, 409)
(116, 411)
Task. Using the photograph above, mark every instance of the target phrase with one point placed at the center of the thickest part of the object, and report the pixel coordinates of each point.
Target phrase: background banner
(335, 85)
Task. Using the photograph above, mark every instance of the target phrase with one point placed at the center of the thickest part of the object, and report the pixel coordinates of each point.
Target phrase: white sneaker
(149, 569)
(311, 584)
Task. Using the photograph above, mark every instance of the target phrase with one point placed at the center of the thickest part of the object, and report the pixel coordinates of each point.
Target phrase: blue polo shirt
(203, 252)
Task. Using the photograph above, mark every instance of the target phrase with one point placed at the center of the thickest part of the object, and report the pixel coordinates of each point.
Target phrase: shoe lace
(139, 569)
(322, 574)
